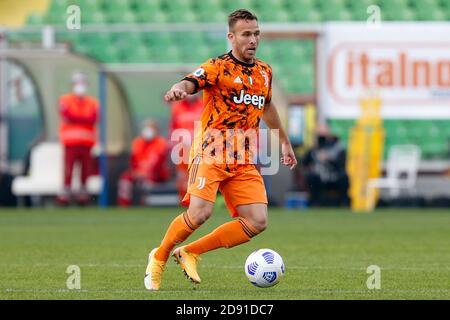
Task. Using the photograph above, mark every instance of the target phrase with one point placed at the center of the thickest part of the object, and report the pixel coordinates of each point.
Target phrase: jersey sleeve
(205, 76)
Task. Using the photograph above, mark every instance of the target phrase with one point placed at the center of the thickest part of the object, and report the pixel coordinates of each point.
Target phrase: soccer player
(237, 94)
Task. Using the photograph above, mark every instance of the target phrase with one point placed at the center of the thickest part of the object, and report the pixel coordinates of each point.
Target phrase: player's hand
(175, 94)
(288, 156)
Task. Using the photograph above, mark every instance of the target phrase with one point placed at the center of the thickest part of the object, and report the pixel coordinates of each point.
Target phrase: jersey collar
(240, 62)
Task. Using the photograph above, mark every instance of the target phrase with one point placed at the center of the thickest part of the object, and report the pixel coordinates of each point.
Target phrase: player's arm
(204, 76)
(180, 90)
(272, 120)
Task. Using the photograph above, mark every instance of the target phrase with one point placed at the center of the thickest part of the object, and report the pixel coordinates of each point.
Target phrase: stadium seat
(46, 174)
(298, 4)
(58, 7)
(176, 5)
(94, 17)
(139, 55)
(139, 6)
(89, 6)
(179, 16)
(56, 18)
(157, 39)
(188, 41)
(307, 16)
(402, 167)
(169, 54)
(299, 10)
(230, 6)
(151, 16)
(279, 15)
(211, 14)
(95, 39)
(266, 4)
(126, 17)
(429, 14)
(206, 6)
(116, 6)
(336, 15)
(125, 40)
(397, 13)
(107, 54)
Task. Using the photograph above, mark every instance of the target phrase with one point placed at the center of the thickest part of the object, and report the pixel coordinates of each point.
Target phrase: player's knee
(200, 214)
(260, 224)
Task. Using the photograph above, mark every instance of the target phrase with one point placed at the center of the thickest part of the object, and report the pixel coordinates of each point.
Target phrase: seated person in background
(148, 162)
(325, 169)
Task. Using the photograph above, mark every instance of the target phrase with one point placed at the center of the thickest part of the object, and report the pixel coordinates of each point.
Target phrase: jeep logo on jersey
(257, 101)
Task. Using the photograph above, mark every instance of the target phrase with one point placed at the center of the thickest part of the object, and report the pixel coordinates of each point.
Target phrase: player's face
(245, 39)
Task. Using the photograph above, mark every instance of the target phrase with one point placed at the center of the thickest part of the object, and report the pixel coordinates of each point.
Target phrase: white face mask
(79, 89)
(148, 133)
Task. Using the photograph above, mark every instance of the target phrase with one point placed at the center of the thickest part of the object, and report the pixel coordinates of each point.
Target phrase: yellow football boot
(188, 262)
(153, 273)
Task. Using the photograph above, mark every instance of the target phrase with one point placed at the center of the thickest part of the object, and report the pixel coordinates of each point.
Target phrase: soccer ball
(264, 268)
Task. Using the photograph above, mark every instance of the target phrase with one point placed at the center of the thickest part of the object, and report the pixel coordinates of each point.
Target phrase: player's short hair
(240, 14)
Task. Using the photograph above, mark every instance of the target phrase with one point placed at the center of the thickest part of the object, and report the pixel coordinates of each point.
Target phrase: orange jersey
(235, 94)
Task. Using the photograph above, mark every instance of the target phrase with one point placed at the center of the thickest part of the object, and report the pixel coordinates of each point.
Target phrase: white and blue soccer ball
(264, 268)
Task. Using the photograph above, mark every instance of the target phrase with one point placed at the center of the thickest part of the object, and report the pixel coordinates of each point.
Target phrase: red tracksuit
(77, 133)
(148, 162)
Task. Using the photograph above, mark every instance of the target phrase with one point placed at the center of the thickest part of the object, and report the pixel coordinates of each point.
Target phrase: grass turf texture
(326, 253)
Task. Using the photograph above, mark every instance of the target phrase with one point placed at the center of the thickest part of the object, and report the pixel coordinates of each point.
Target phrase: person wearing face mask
(78, 119)
(148, 162)
(324, 169)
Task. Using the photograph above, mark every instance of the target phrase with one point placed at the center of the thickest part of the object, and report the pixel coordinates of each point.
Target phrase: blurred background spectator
(79, 114)
(148, 163)
(324, 168)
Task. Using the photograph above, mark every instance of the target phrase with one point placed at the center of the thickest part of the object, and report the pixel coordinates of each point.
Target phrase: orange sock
(228, 235)
(178, 231)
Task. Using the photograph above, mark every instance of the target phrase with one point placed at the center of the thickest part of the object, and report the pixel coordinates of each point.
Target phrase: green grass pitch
(326, 253)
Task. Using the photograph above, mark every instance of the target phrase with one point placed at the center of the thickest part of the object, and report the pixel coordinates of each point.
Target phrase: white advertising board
(407, 64)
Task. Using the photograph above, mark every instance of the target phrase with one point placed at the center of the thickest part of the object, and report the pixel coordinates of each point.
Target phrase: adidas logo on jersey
(237, 80)
(257, 101)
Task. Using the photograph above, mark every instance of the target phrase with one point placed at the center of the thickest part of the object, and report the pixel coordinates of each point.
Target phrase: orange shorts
(243, 185)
